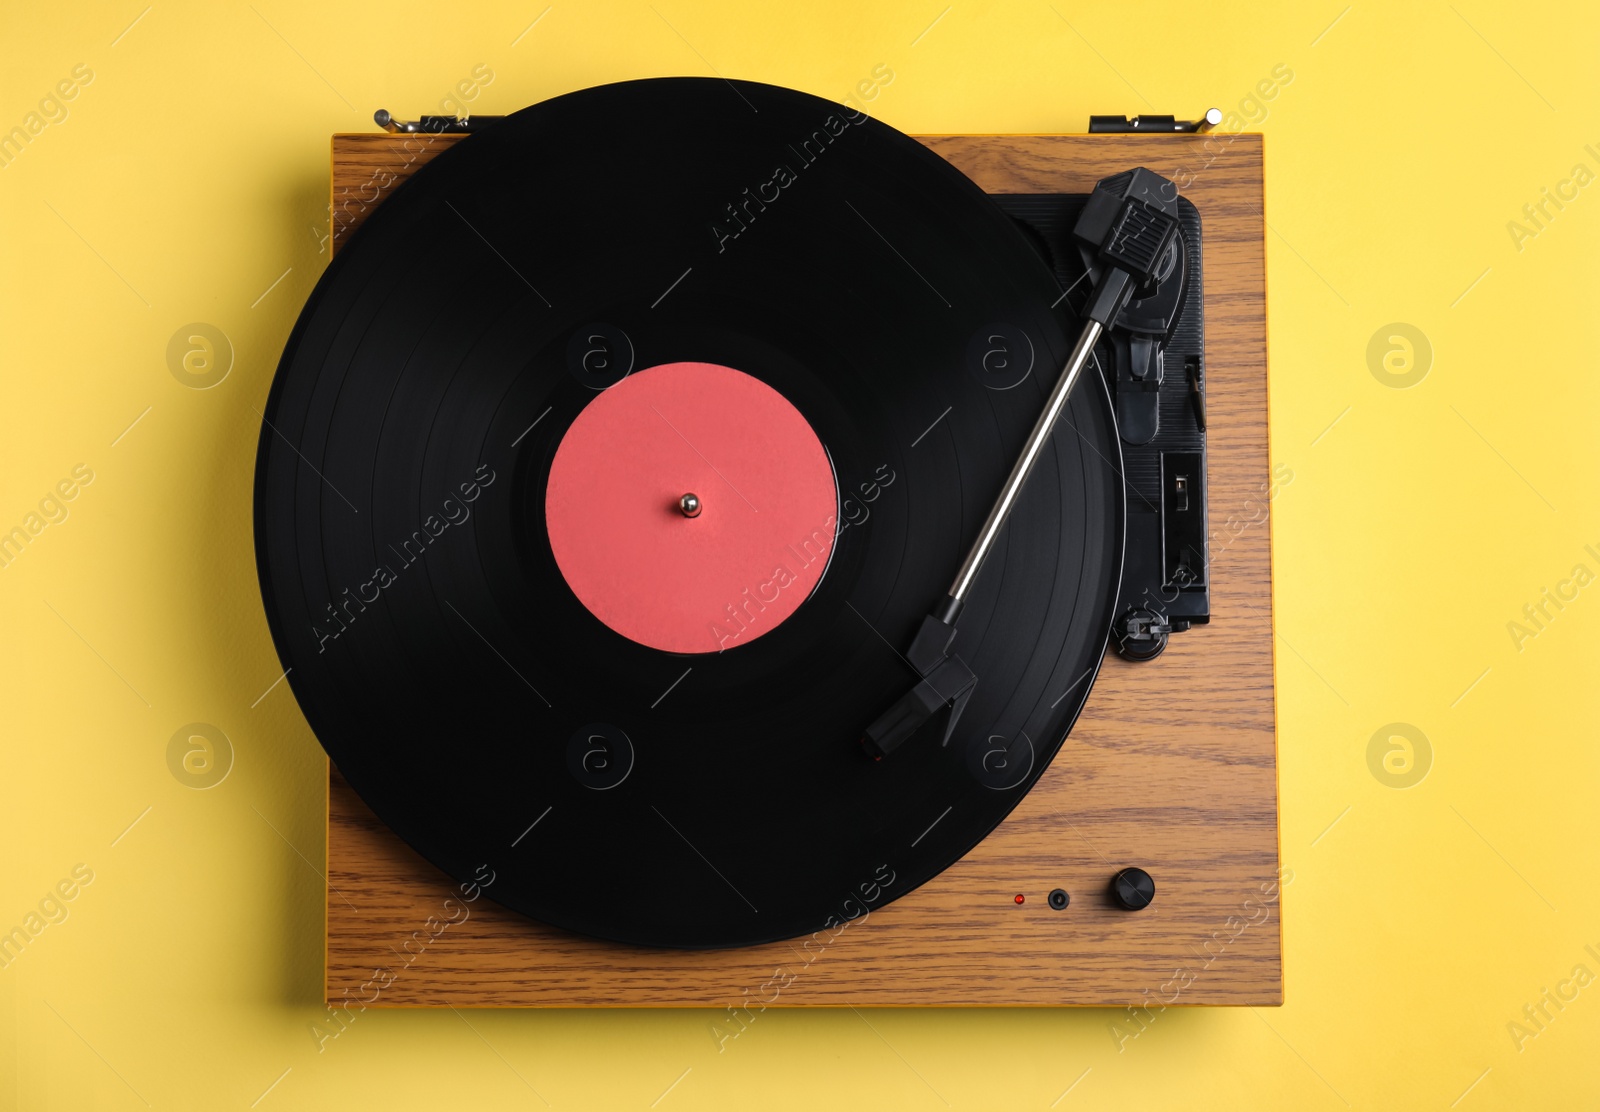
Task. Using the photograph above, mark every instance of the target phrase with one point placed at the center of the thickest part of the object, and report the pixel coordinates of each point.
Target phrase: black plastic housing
(1161, 420)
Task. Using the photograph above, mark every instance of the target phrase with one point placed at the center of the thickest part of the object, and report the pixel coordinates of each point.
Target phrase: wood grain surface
(1171, 767)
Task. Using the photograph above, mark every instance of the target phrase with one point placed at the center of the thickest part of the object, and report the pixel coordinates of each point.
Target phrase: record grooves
(438, 650)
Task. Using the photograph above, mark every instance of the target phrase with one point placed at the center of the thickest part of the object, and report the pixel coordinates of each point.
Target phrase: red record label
(691, 508)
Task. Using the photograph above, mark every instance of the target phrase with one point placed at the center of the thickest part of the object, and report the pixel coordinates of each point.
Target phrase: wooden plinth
(1172, 766)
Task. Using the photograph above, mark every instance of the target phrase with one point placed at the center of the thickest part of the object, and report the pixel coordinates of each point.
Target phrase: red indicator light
(1019, 897)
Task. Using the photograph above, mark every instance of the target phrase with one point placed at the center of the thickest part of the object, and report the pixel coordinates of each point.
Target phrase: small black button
(1133, 889)
(1059, 898)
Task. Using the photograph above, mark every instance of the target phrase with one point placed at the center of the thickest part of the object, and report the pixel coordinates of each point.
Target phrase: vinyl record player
(657, 722)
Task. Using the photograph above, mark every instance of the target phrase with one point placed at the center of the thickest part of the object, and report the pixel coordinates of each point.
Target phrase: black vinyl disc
(456, 680)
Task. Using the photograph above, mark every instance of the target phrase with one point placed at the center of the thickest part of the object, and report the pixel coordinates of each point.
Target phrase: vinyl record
(518, 646)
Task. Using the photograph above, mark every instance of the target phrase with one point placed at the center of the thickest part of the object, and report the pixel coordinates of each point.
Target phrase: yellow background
(191, 173)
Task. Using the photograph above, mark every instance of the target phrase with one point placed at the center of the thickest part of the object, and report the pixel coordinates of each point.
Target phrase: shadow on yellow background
(1432, 285)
